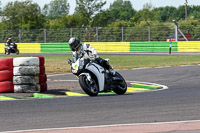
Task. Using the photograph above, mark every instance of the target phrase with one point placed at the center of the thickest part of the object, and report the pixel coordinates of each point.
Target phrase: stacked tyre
(6, 75)
(29, 74)
(23, 75)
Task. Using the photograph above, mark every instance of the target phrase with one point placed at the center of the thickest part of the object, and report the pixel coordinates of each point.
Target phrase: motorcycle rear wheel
(121, 86)
(17, 52)
(88, 88)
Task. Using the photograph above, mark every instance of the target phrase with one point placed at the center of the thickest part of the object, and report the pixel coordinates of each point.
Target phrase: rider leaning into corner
(86, 51)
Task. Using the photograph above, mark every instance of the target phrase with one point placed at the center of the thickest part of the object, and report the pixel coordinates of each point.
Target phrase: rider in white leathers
(86, 51)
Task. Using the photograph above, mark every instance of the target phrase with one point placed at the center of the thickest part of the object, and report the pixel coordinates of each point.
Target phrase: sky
(137, 4)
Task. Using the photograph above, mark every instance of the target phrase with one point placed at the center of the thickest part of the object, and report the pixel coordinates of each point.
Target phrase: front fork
(88, 77)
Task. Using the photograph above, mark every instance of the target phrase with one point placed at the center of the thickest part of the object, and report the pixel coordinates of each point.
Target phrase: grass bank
(58, 63)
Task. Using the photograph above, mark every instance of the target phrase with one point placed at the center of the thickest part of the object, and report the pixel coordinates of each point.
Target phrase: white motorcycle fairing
(93, 78)
(98, 71)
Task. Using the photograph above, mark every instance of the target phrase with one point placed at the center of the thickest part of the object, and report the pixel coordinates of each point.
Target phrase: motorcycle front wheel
(88, 87)
(121, 86)
(7, 52)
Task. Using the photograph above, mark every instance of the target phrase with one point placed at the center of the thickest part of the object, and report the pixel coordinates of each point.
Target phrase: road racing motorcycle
(11, 49)
(95, 79)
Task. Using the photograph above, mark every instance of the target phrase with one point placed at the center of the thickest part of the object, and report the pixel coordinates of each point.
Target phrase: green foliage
(119, 10)
(146, 13)
(112, 34)
(58, 35)
(0, 8)
(87, 8)
(23, 15)
(160, 33)
(27, 16)
(120, 23)
(102, 19)
(64, 22)
(164, 14)
(56, 8)
(88, 13)
(137, 33)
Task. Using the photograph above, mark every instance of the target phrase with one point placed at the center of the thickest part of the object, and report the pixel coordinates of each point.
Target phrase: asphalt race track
(180, 102)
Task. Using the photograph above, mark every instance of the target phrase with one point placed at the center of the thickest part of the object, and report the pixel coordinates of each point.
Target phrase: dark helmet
(74, 43)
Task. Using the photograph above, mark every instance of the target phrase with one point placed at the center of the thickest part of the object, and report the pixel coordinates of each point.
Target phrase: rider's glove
(93, 58)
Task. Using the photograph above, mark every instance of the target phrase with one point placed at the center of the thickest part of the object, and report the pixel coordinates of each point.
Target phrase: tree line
(89, 13)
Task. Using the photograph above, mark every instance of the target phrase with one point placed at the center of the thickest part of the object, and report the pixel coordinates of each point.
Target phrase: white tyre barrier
(26, 88)
(26, 61)
(27, 80)
(26, 70)
(23, 75)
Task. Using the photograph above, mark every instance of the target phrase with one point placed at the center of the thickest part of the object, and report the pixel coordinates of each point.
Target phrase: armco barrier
(2, 48)
(162, 46)
(189, 46)
(55, 48)
(24, 47)
(111, 46)
(152, 46)
(29, 47)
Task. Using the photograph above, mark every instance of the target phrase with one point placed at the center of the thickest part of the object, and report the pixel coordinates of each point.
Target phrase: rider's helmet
(9, 39)
(74, 43)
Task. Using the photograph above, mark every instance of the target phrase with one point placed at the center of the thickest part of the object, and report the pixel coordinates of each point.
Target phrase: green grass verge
(2, 97)
(35, 95)
(58, 63)
(39, 95)
(145, 86)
